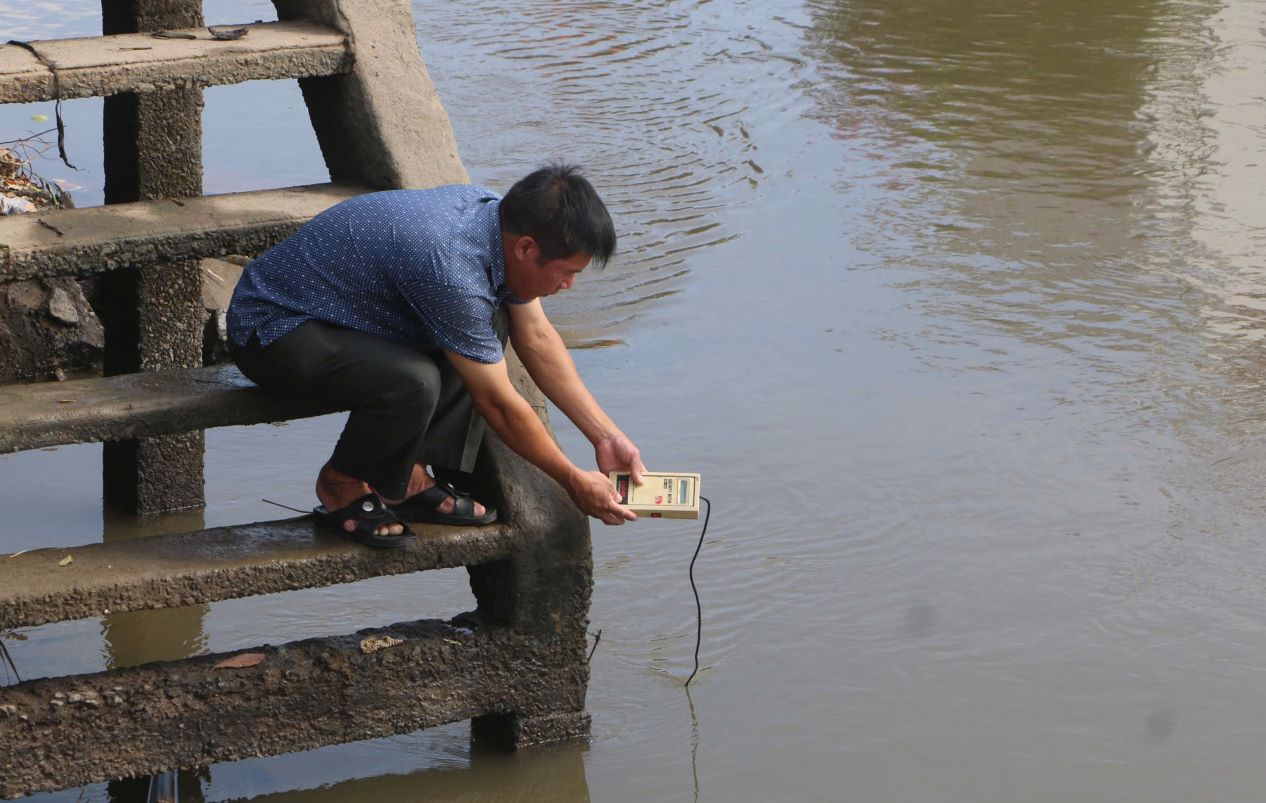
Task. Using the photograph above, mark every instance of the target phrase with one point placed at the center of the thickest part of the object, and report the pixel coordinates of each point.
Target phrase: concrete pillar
(541, 591)
(383, 124)
(153, 315)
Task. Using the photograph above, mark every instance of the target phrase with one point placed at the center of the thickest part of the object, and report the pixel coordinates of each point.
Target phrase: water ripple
(667, 144)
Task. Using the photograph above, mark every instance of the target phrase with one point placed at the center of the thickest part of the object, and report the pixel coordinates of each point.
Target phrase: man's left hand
(617, 453)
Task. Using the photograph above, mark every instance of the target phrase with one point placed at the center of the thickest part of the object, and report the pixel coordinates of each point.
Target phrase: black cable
(597, 637)
(8, 660)
(57, 96)
(287, 507)
(694, 588)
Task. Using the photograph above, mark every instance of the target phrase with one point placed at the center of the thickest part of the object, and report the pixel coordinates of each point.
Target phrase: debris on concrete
(242, 661)
(22, 190)
(219, 278)
(47, 326)
(62, 307)
(378, 642)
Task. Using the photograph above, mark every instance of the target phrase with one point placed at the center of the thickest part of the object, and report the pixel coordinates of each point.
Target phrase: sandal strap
(451, 490)
(463, 506)
(428, 503)
(463, 503)
(368, 511)
(430, 498)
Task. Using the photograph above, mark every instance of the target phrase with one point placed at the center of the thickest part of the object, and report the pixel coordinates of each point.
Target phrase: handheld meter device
(661, 495)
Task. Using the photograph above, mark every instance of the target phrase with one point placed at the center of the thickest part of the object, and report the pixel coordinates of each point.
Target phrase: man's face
(529, 276)
(559, 274)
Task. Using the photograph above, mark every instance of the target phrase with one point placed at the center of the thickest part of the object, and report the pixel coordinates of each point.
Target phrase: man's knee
(411, 382)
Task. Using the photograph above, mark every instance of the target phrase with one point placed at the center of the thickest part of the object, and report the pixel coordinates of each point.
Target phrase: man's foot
(337, 490)
(367, 515)
(440, 503)
(420, 481)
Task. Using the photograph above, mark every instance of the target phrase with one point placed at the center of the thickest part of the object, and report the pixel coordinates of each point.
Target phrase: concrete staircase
(515, 667)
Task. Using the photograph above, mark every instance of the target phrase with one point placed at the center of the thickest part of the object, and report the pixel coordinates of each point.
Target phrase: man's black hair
(559, 208)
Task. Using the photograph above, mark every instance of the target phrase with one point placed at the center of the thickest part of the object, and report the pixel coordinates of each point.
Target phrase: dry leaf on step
(241, 661)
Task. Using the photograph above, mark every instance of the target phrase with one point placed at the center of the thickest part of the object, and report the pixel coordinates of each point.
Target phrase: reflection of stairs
(516, 667)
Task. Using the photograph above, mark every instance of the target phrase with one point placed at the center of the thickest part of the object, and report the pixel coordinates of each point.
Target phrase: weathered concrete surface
(219, 278)
(145, 404)
(225, 563)
(46, 327)
(22, 74)
(382, 124)
(63, 732)
(546, 584)
(151, 314)
(139, 62)
(103, 238)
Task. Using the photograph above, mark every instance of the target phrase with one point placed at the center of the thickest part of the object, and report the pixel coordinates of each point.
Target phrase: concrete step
(218, 564)
(141, 62)
(81, 242)
(59, 733)
(44, 414)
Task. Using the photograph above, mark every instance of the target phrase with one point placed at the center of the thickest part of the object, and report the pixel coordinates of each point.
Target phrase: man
(397, 305)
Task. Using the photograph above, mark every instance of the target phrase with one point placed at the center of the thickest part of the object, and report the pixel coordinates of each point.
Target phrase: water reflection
(553, 773)
(1062, 174)
(1007, 155)
(139, 637)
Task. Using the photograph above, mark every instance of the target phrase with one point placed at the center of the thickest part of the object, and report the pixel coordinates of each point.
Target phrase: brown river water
(958, 307)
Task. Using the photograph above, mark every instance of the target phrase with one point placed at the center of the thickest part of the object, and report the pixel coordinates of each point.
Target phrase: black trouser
(406, 407)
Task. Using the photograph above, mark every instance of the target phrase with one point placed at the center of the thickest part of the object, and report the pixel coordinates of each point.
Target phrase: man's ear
(526, 248)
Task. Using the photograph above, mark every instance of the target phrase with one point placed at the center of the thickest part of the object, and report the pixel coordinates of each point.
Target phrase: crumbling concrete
(62, 732)
(47, 329)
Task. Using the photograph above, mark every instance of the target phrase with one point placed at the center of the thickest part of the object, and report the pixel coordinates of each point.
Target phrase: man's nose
(567, 283)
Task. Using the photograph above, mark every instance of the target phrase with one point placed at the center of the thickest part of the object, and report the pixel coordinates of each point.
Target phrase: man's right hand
(595, 494)
(514, 420)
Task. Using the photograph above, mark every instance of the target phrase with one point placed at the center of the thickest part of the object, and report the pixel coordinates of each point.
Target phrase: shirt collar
(489, 218)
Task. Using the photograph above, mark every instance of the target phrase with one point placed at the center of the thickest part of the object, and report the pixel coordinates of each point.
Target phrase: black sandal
(422, 507)
(370, 514)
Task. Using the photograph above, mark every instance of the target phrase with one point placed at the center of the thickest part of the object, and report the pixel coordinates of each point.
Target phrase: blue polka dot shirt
(420, 267)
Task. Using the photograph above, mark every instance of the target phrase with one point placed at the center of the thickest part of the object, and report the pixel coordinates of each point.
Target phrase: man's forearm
(554, 372)
(516, 423)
